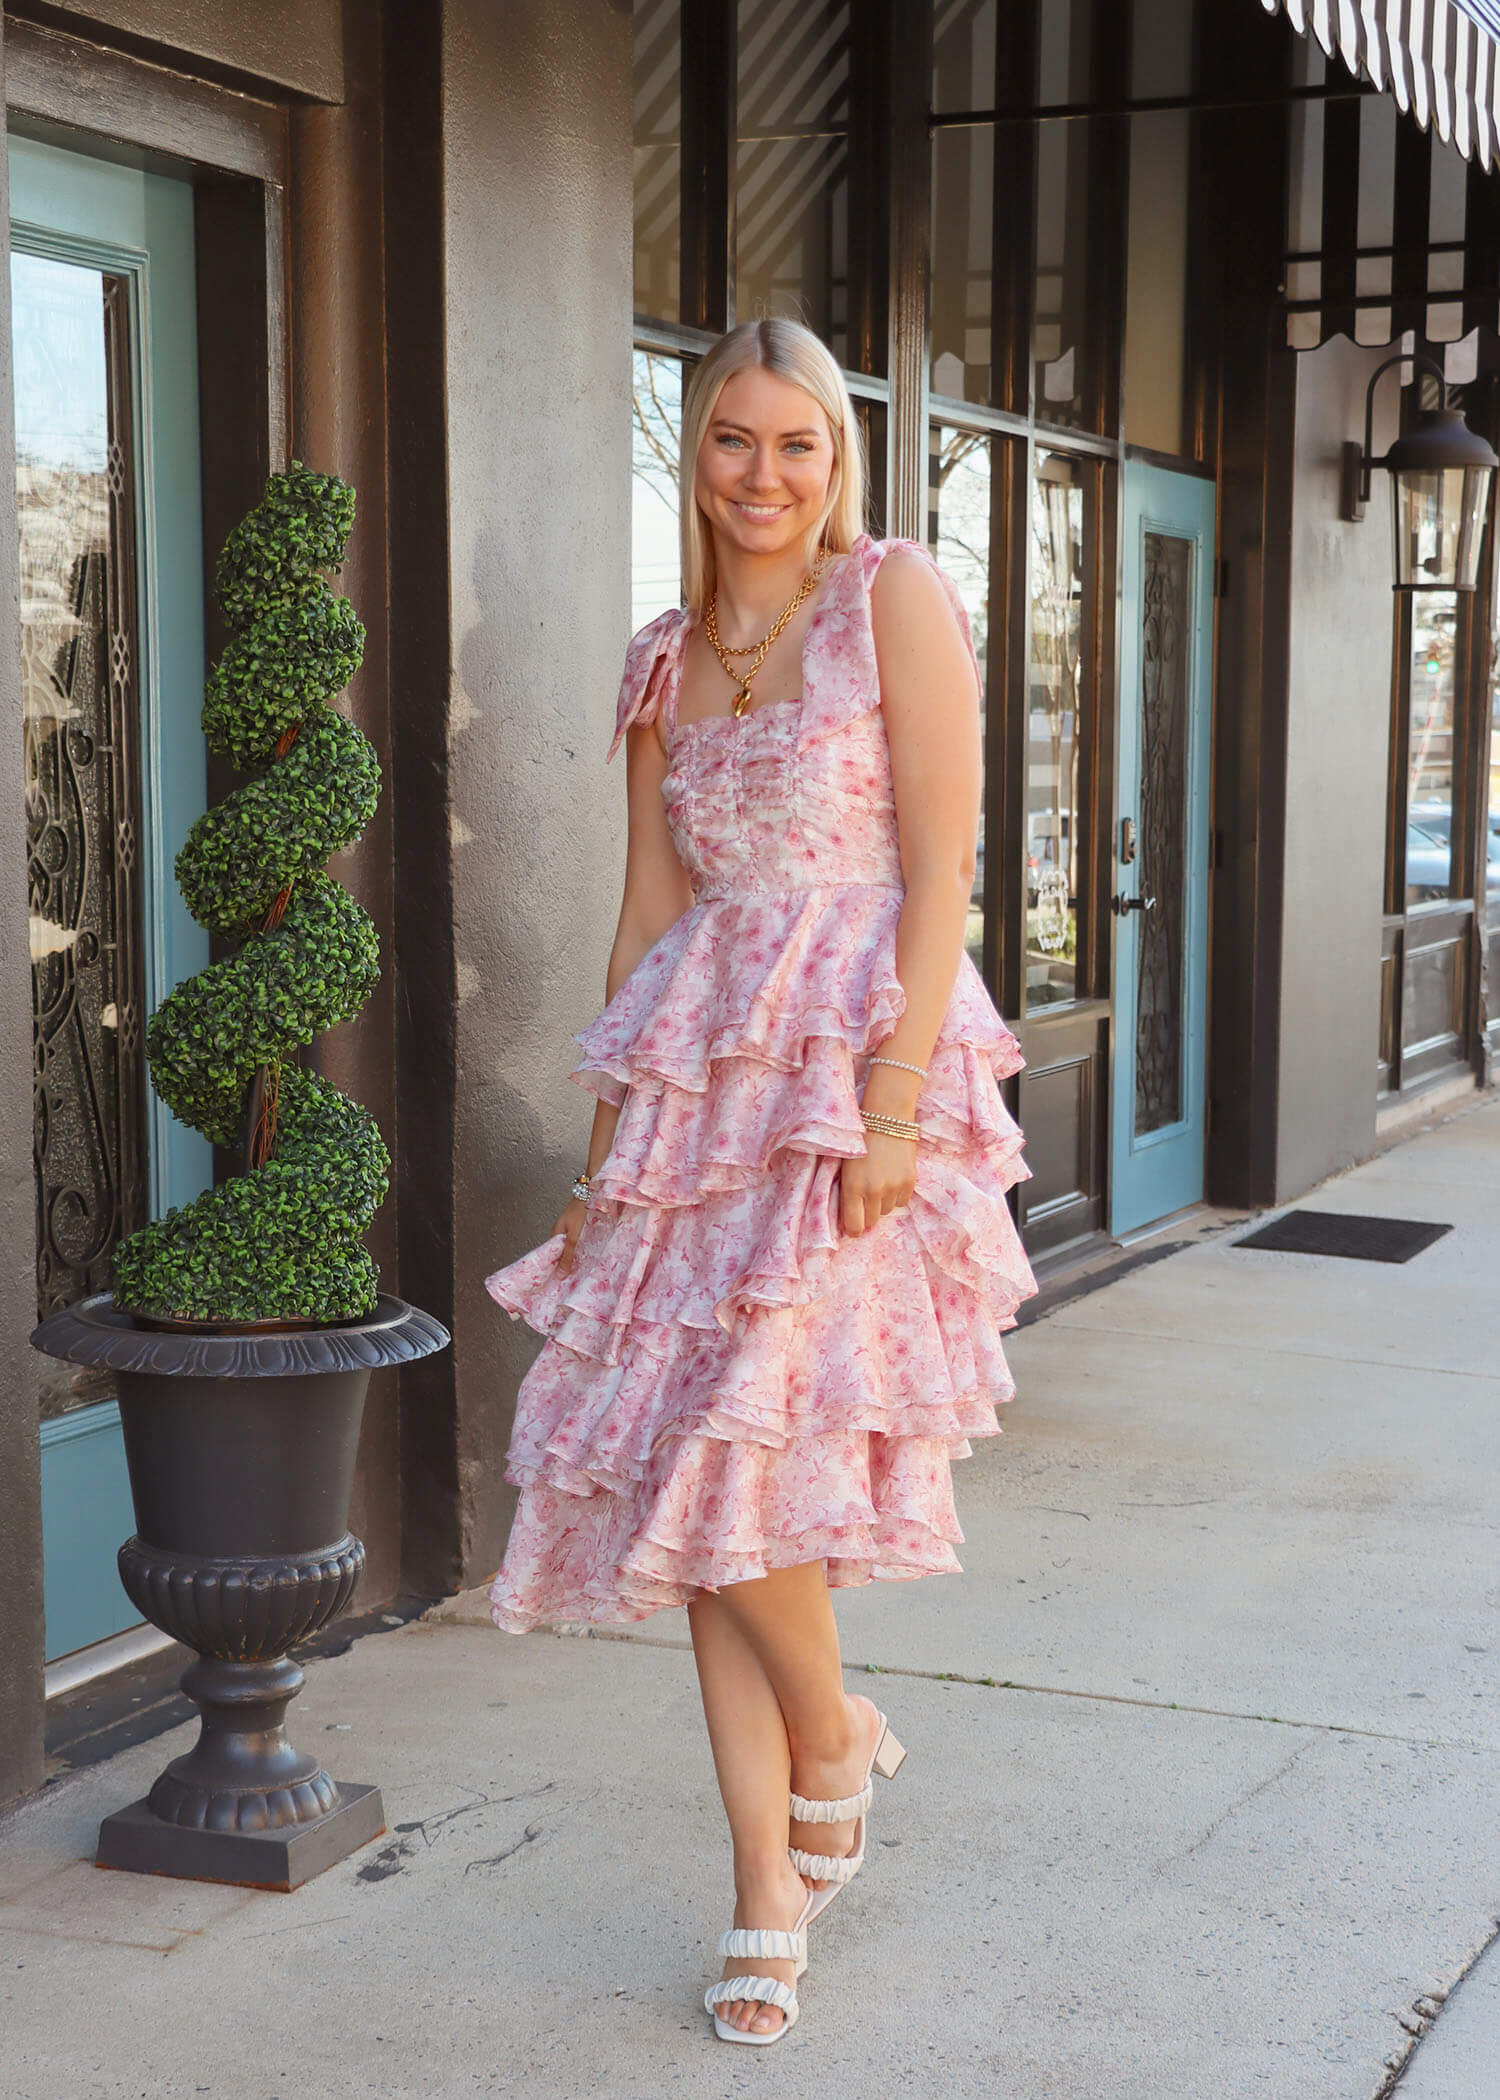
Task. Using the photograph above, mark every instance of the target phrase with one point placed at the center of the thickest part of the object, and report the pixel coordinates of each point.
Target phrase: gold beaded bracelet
(890, 1126)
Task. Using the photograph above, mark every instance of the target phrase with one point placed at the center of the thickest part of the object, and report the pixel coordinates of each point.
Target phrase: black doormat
(1338, 1232)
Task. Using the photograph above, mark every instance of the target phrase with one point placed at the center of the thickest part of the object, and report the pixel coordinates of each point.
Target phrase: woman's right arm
(657, 893)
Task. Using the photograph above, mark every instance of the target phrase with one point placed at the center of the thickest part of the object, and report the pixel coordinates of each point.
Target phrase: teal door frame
(1160, 1171)
(72, 208)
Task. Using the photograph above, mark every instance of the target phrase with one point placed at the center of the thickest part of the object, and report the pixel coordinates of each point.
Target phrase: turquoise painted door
(1161, 847)
(106, 405)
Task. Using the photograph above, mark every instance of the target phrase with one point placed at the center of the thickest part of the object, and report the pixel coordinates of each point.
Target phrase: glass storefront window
(874, 424)
(1429, 784)
(963, 185)
(658, 159)
(1053, 735)
(75, 517)
(792, 170)
(963, 56)
(960, 516)
(1155, 346)
(1062, 332)
(656, 429)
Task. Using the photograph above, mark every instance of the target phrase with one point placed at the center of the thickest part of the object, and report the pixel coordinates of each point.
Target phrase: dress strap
(841, 676)
(651, 663)
(671, 677)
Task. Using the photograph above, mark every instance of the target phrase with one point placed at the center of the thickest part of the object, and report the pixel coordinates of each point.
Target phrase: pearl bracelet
(890, 1126)
(581, 1185)
(901, 1061)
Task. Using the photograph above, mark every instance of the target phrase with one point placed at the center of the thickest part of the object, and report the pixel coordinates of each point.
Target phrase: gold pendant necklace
(744, 697)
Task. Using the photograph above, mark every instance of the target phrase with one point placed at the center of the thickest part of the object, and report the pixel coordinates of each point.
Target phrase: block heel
(836, 1870)
(889, 1754)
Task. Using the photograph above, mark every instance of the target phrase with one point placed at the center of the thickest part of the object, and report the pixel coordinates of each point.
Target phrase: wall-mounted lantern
(1440, 486)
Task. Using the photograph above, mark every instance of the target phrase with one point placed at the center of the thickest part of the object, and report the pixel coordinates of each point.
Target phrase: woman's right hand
(570, 1220)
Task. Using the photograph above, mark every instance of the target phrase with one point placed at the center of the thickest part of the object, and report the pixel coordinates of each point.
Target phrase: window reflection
(1061, 340)
(1053, 734)
(79, 725)
(963, 55)
(792, 173)
(658, 159)
(963, 183)
(656, 429)
(960, 503)
(1429, 789)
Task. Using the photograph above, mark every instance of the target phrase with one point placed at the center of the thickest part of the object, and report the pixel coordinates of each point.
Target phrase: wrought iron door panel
(75, 503)
(1158, 1090)
(1166, 632)
(109, 500)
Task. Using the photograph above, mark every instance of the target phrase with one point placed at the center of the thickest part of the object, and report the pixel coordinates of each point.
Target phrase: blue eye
(730, 437)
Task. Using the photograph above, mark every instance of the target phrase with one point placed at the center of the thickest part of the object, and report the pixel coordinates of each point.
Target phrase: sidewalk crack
(1233, 1809)
(1418, 2019)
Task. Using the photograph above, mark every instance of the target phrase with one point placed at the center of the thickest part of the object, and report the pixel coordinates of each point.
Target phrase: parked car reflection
(1429, 852)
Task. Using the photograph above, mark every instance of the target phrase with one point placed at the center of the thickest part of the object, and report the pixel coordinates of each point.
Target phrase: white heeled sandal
(837, 1870)
(759, 1943)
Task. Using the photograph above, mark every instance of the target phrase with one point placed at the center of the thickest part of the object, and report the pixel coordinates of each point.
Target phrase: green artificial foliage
(282, 1241)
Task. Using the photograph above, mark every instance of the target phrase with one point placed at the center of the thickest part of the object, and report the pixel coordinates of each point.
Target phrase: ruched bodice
(731, 1383)
(750, 808)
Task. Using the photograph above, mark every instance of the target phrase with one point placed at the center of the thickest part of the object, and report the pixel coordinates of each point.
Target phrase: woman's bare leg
(778, 1717)
(751, 1760)
(787, 1619)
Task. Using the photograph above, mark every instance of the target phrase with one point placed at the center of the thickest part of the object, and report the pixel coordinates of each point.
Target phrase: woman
(773, 1304)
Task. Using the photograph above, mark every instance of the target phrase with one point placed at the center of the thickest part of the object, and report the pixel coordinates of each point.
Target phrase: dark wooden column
(710, 137)
(423, 966)
(336, 276)
(1242, 382)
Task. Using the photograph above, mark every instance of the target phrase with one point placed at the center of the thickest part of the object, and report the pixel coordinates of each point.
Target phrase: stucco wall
(537, 160)
(1337, 737)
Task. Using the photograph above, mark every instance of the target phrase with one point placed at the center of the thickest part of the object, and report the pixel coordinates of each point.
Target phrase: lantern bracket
(1356, 463)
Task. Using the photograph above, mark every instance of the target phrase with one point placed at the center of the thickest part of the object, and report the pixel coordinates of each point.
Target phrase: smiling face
(765, 464)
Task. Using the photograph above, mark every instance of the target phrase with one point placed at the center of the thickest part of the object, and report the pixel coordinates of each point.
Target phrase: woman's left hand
(877, 1181)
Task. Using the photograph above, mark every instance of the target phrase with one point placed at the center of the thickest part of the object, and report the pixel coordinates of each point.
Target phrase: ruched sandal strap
(823, 1866)
(758, 1990)
(806, 1810)
(761, 1943)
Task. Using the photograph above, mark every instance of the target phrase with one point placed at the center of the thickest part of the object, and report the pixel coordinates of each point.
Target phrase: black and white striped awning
(1439, 58)
(1393, 215)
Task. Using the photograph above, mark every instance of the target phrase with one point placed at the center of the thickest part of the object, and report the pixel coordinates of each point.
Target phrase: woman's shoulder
(645, 660)
(908, 596)
(898, 554)
(906, 565)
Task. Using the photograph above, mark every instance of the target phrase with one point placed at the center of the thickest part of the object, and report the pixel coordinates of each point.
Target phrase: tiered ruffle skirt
(732, 1383)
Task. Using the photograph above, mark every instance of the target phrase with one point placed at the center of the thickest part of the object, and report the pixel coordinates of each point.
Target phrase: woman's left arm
(931, 709)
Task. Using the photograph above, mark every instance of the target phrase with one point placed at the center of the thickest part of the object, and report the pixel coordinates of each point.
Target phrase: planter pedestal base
(136, 1839)
(241, 1450)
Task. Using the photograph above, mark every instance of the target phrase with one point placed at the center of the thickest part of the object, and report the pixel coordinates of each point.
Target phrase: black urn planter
(241, 1452)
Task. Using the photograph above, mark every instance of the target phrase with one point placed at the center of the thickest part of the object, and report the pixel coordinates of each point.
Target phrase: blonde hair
(792, 352)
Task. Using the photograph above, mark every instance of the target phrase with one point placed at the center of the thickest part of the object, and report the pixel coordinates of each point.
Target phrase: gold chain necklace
(742, 678)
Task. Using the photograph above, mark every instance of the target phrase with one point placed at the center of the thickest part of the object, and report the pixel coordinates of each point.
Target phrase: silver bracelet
(581, 1186)
(901, 1061)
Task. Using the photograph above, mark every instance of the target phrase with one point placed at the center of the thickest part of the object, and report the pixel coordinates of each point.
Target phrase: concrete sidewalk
(1200, 1801)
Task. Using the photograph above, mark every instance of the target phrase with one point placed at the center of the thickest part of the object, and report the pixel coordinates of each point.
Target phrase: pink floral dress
(730, 1382)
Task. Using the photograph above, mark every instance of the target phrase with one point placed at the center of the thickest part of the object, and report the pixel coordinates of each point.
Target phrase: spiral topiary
(281, 1241)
